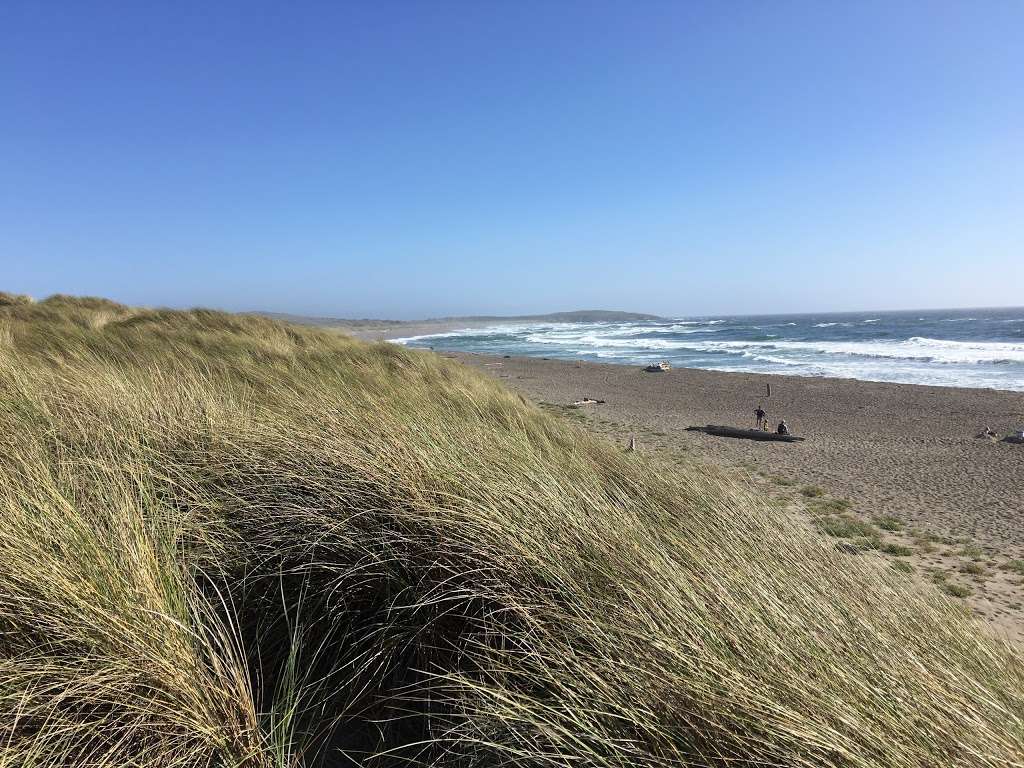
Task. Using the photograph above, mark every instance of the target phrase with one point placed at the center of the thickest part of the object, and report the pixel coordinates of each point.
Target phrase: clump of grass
(826, 506)
(783, 481)
(847, 527)
(1015, 566)
(868, 542)
(897, 550)
(957, 590)
(888, 523)
(902, 566)
(974, 569)
(225, 541)
(812, 491)
(12, 299)
(972, 551)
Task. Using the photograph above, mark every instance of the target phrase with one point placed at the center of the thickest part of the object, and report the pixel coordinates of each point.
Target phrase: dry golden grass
(229, 542)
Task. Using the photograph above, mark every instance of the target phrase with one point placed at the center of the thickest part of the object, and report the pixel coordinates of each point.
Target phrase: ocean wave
(917, 349)
(761, 344)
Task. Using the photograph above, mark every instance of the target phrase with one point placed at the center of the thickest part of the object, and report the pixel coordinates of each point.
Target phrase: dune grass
(230, 542)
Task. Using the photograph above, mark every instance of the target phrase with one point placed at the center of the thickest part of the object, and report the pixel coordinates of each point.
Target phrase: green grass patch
(1014, 566)
(812, 491)
(868, 542)
(957, 590)
(974, 569)
(897, 550)
(847, 527)
(902, 566)
(828, 506)
(972, 551)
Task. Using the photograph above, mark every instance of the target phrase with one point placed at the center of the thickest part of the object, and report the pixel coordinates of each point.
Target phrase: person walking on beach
(762, 417)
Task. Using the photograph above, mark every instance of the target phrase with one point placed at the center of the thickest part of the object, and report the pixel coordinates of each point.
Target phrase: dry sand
(899, 450)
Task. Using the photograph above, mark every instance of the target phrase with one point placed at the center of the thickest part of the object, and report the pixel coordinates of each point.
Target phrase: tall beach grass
(225, 541)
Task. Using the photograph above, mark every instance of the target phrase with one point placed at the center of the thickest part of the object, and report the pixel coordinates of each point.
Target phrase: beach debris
(664, 365)
(632, 444)
(989, 433)
(768, 388)
(748, 434)
(1017, 438)
(587, 401)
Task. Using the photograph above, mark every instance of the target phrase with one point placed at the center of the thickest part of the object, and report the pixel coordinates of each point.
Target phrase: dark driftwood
(747, 434)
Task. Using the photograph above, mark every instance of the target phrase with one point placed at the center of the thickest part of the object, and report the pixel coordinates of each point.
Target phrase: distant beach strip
(959, 348)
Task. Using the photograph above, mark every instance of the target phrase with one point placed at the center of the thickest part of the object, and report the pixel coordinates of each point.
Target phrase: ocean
(960, 348)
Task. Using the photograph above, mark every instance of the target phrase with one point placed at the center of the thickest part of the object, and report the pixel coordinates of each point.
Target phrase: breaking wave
(971, 351)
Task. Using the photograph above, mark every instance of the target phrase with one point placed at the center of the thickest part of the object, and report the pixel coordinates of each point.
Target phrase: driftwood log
(746, 434)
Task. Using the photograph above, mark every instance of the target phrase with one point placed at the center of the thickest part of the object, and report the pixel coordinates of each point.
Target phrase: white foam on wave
(917, 348)
(490, 330)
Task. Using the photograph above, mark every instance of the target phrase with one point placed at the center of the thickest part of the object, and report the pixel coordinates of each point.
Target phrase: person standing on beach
(762, 417)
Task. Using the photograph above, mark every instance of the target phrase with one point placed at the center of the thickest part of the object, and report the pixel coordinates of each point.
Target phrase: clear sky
(410, 159)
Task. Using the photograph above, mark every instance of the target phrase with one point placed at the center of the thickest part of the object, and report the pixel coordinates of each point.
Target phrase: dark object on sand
(1017, 439)
(768, 388)
(748, 434)
(659, 367)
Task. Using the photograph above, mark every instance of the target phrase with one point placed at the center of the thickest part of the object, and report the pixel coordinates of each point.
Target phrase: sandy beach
(890, 450)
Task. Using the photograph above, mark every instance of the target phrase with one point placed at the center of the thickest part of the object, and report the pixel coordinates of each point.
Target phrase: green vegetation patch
(957, 590)
(974, 569)
(897, 550)
(972, 551)
(1015, 566)
(847, 527)
(828, 506)
(812, 491)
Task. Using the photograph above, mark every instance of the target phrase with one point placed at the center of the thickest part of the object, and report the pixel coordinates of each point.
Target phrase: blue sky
(411, 159)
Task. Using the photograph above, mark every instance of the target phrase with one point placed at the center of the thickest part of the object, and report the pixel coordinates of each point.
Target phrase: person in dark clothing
(783, 429)
(762, 417)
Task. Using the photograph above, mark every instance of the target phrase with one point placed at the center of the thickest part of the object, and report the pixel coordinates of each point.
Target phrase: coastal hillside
(230, 541)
